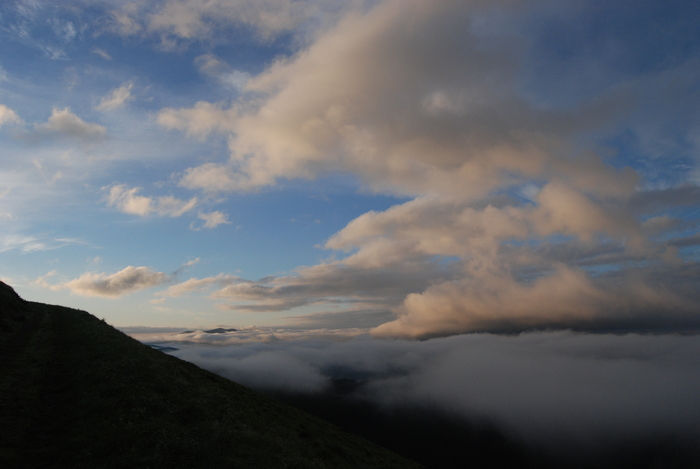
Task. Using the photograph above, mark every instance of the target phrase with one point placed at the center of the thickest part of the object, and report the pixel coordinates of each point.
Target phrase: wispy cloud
(214, 67)
(128, 200)
(195, 20)
(211, 220)
(116, 98)
(195, 284)
(199, 121)
(22, 243)
(102, 53)
(28, 243)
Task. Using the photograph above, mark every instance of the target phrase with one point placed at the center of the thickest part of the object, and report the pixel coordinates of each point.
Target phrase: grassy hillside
(77, 393)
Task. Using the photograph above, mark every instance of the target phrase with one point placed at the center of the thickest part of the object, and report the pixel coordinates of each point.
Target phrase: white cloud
(115, 285)
(128, 201)
(213, 219)
(63, 122)
(8, 116)
(191, 263)
(117, 98)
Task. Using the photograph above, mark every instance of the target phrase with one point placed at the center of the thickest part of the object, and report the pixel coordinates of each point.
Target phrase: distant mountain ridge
(77, 393)
(218, 330)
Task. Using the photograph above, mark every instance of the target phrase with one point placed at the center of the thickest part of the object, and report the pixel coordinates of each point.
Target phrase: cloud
(188, 20)
(63, 122)
(125, 20)
(212, 177)
(348, 319)
(240, 335)
(212, 220)
(8, 116)
(195, 284)
(102, 53)
(199, 121)
(259, 370)
(564, 299)
(115, 285)
(23, 243)
(334, 283)
(191, 263)
(355, 100)
(128, 201)
(212, 66)
(548, 388)
(520, 214)
(117, 98)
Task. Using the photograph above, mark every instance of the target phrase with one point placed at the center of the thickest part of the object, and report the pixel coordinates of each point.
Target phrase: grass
(77, 393)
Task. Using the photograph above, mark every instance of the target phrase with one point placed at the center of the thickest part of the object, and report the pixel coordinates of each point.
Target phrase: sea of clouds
(544, 388)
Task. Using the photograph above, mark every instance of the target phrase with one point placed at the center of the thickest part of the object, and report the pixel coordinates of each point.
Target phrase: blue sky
(415, 168)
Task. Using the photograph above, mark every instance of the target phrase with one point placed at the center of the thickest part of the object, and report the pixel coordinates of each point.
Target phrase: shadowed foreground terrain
(77, 393)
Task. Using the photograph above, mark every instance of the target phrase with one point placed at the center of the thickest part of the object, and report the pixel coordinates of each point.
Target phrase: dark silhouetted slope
(77, 393)
(12, 308)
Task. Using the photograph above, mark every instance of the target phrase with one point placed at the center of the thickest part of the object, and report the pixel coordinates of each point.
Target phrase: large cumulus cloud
(519, 216)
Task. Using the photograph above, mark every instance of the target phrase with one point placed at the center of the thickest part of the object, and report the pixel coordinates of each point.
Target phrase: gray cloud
(64, 123)
(553, 387)
(654, 201)
(348, 319)
(335, 283)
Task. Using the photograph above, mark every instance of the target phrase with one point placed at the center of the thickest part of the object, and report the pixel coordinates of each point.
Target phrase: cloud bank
(547, 388)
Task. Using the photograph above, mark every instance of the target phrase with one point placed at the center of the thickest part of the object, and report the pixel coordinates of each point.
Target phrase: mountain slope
(75, 392)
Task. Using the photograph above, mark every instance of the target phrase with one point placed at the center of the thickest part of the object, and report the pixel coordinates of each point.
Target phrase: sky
(405, 168)
(514, 183)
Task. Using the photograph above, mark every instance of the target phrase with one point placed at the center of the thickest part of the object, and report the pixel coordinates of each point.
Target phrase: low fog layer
(545, 388)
